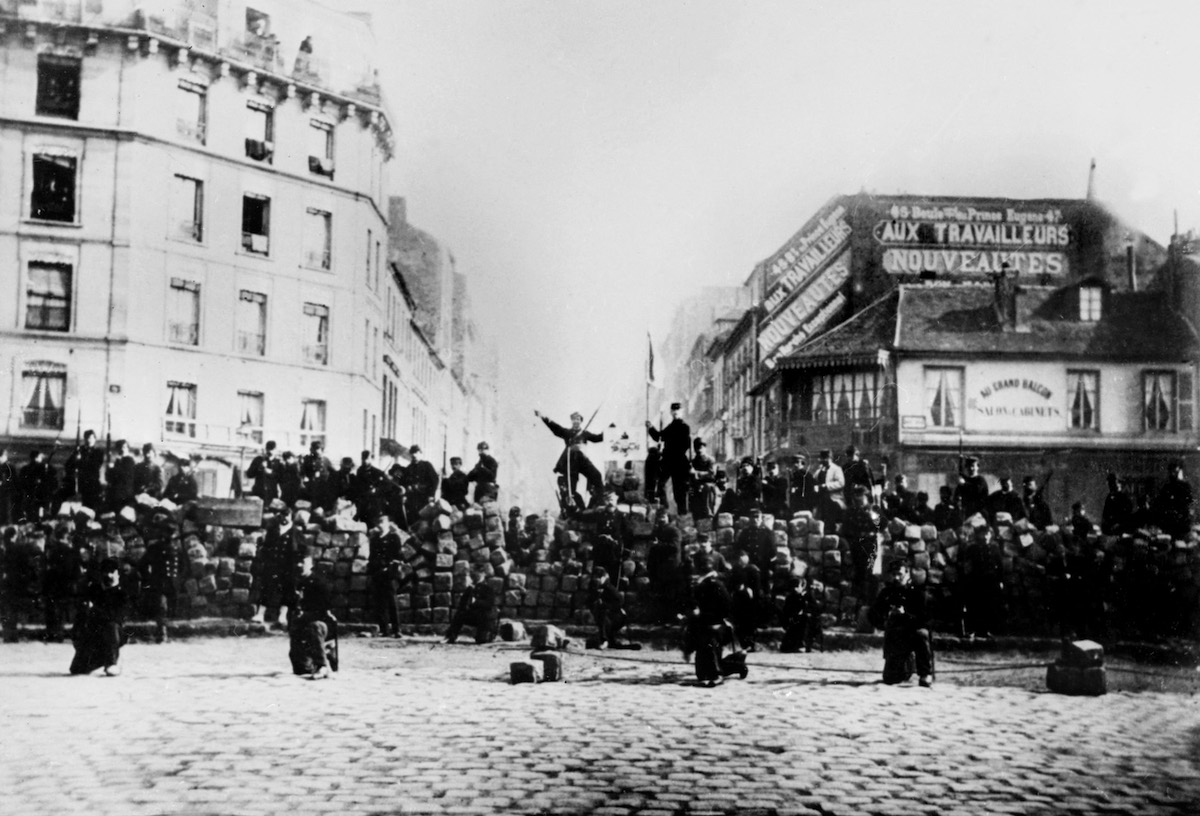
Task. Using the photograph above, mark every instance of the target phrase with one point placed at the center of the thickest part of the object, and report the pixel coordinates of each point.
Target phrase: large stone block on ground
(545, 636)
(1082, 654)
(525, 671)
(442, 582)
(1074, 680)
(511, 631)
(552, 665)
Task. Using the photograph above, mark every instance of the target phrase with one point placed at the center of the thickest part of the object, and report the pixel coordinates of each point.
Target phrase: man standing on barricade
(573, 462)
(456, 485)
(420, 484)
(315, 472)
(484, 475)
(676, 440)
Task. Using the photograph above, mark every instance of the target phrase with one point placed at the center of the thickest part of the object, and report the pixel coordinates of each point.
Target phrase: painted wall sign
(781, 327)
(957, 240)
(804, 256)
(1014, 403)
(806, 331)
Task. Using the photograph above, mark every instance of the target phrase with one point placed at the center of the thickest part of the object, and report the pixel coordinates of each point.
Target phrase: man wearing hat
(775, 491)
(274, 565)
(899, 610)
(676, 440)
(121, 478)
(1173, 505)
(829, 482)
(83, 470)
(477, 609)
(312, 623)
(801, 493)
(857, 470)
(182, 487)
(707, 626)
(164, 566)
(456, 486)
(383, 573)
(420, 482)
(147, 474)
(702, 499)
(484, 474)
(264, 470)
(38, 486)
(605, 604)
(573, 462)
(315, 470)
(655, 494)
(368, 488)
(972, 493)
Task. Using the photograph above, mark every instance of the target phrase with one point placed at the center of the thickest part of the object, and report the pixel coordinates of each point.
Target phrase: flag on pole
(650, 361)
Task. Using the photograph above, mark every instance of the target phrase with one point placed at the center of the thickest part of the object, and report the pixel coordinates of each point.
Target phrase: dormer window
(1090, 300)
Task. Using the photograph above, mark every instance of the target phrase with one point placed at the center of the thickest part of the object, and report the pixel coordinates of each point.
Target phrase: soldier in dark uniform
(972, 494)
(83, 469)
(182, 487)
(900, 611)
(311, 624)
(725, 497)
(289, 479)
(121, 478)
(421, 482)
(655, 492)
(857, 470)
(900, 502)
(484, 475)
(1117, 516)
(676, 440)
(100, 633)
(758, 543)
(164, 566)
(663, 560)
(274, 566)
(612, 535)
(38, 486)
(341, 483)
(947, 515)
(1038, 510)
(58, 583)
(775, 492)
(747, 591)
(383, 573)
(702, 499)
(800, 617)
(1173, 505)
(147, 474)
(982, 579)
(368, 488)
(573, 462)
(605, 603)
(315, 472)
(801, 495)
(8, 490)
(861, 529)
(477, 609)
(748, 486)
(456, 486)
(707, 626)
(264, 470)
(1006, 500)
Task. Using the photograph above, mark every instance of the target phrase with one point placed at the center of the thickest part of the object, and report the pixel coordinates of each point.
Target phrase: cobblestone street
(218, 726)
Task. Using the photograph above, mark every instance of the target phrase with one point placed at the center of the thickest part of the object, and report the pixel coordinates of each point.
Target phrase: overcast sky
(591, 163)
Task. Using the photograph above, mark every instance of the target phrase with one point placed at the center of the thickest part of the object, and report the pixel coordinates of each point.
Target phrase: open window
(260, 131)
(53, 194)
(48, 296)
(318, 239)
(187, 208)
(320, 148)
(256, 224)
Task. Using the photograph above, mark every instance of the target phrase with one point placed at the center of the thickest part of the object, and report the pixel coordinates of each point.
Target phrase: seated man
(899, 610)
(477, 609)
(604, 601)
(310, 626)
(100, 632)
(801, 618)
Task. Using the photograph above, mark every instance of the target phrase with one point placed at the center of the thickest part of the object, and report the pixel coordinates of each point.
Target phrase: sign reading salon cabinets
(1007, 398)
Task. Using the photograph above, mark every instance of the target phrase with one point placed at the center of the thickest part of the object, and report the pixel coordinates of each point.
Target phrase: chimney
(397, 211)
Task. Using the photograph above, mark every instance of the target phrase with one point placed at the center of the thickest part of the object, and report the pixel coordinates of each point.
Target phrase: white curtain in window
(312, 416)
(43, 390)
(181, 400)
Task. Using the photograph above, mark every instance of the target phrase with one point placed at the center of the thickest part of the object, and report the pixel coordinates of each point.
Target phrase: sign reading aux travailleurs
(952, 239)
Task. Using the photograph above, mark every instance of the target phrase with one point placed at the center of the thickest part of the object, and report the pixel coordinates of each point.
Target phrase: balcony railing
(317, 355)
(174, 426)
(262, 52)
(186, 333)
(258, 244)
(251, 343)
(46, 419)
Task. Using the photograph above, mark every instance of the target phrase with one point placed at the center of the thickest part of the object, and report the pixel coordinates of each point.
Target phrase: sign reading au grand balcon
(968, 240)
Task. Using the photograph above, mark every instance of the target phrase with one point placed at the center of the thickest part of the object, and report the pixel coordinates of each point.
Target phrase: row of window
(1167, 400)
(59, 90)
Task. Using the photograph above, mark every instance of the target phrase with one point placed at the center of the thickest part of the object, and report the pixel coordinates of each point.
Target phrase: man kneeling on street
(311, 625)
(477, 609)
(899, 610)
